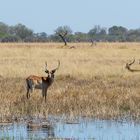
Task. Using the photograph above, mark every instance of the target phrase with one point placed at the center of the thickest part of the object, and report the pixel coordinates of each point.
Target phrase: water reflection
(85, 129)
(45, 132)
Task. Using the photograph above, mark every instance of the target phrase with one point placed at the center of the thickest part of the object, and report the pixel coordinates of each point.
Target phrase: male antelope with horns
(128, 66)
(43, 83)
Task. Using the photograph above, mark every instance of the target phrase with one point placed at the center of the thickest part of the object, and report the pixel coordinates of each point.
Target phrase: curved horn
(57, 66)
(46, 70)
(129, 64)
(46, 64)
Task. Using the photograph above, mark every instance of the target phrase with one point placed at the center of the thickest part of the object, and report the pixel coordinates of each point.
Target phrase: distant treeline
(21, 33)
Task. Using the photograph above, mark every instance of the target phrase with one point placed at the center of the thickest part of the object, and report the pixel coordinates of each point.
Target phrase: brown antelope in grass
(128, 66)
(43, 83)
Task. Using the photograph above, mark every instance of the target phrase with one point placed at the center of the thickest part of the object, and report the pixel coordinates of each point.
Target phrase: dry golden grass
(91, 81)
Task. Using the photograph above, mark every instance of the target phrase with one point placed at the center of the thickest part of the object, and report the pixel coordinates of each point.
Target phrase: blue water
(85, 129)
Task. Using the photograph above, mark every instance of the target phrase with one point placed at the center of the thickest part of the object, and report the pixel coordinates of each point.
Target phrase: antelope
(37, 82)
(128, 66)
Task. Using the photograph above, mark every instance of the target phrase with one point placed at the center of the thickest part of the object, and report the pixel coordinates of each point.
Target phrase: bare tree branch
(63, 38)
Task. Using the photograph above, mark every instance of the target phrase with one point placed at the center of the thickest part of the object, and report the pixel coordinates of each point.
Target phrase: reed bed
(91, 81)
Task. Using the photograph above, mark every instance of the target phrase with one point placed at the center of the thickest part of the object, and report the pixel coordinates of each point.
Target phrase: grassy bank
(91, 81)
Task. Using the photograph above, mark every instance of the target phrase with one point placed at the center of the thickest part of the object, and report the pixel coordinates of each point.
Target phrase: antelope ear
(53, 71)
(46, 71)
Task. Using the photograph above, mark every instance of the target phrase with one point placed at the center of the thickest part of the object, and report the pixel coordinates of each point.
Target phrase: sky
(80, 15)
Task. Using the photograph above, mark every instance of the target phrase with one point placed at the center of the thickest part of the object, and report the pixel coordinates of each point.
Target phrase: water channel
(81, 129)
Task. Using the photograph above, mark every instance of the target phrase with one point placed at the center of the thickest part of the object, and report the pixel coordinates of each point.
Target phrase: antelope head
(52, 72)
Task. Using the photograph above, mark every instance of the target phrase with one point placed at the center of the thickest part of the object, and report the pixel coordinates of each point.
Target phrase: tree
(80, 37)
(4, 29)
(133, 35)
(97, 30)
(117, 33)
(63, 31)
(22, 31)
(40, 37)
(97, 33)
(10, 38)
(117, 30)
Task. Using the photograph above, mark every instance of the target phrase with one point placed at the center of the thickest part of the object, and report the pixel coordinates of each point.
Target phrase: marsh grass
(91, 81)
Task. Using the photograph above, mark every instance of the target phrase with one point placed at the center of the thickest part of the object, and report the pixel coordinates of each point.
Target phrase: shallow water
(83, 129)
